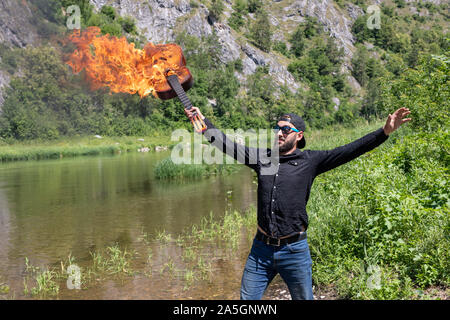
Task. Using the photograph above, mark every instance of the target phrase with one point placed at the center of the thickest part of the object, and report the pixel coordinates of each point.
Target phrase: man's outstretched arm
(331, 159)
(241, 153)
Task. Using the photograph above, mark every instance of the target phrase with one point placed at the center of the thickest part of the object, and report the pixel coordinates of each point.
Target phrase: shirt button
(273, 199)
(276, 175)
(274, 187)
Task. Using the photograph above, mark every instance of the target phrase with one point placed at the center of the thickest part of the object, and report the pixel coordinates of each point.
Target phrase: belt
(280, 242)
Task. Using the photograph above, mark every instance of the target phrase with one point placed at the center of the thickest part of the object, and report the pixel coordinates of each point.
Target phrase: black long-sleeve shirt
(284, 192)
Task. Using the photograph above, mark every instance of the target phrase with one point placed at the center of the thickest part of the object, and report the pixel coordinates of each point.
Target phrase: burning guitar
(111, 62)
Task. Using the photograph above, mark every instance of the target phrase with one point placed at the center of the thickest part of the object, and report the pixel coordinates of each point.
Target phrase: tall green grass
(166, 169)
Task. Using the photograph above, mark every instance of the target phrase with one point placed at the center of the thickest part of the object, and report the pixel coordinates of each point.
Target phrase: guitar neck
(176, 86)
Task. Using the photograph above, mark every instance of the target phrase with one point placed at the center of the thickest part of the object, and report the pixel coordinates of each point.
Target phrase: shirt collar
(294, 155)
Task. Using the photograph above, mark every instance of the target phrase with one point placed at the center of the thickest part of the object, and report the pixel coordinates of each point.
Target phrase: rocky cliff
(16, 30)
(160, 21)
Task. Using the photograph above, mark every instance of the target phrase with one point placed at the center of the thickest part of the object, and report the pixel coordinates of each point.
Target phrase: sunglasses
(285, 129)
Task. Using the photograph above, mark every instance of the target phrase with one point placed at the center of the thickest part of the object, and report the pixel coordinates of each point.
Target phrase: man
(280, 245)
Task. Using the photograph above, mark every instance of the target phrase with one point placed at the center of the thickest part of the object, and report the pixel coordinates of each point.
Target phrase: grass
(44, 280)
(77, 146)
(339, 135)
(163, 237)
(113, 261)
(205, 241)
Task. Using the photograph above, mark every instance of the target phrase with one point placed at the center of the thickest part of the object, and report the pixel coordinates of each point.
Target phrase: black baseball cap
(298, 123)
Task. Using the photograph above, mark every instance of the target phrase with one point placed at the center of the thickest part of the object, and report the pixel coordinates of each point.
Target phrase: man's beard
(287, 146)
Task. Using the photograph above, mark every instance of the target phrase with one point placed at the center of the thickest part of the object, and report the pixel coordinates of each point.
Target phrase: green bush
(281, 47)
(386, 211)
(109, 12)
(254, 5)
(128, 25)
(216, 8)
(297, 42)
(425, 90)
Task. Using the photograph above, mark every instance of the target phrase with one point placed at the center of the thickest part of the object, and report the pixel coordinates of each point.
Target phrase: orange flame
(115, 63)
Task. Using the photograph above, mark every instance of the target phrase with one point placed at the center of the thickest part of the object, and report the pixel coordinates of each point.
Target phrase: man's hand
(190, 113)
(395, 120)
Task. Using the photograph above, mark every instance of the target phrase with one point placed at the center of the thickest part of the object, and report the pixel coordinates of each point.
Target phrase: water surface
(51, 208)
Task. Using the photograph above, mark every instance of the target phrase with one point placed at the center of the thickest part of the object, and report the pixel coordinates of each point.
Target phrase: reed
(189, 278)
(46, 284)
(163, 237)
(4, 288)
(114, 261)
(166, 169)
(44, 281)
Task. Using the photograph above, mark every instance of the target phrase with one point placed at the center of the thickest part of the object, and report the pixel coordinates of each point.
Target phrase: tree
(413, 56)
(109, 11)
(359, 63)
(370, 104)
(311, 27)
(297, 42)
(334, 53)
(261, 31)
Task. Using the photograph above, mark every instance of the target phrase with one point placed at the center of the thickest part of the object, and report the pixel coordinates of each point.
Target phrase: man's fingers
(401, 110)
(188, 113)
(400, 113)
(405, 111)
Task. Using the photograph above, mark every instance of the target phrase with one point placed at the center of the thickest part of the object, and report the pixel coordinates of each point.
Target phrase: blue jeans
(291, 261)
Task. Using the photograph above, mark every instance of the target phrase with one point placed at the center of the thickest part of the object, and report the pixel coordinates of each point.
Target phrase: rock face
(16, 30)
(160, 21)
(334, 21)
(4, 81)
(16, 27)
(157, 19)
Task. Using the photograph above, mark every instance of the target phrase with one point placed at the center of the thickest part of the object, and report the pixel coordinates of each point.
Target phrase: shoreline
(67, 147)
(81, 146)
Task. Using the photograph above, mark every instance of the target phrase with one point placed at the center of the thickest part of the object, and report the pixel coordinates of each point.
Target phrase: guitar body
(171, 56)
